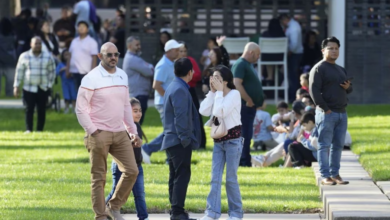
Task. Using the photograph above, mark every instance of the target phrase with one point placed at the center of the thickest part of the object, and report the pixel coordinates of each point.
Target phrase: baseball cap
(172, 44)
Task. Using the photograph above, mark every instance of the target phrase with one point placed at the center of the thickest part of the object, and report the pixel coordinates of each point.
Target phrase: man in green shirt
(249, 85)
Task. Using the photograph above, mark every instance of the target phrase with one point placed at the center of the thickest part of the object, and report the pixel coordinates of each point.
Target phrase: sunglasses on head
(112, 54)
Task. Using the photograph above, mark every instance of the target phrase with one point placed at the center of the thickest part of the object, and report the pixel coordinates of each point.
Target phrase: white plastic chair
(275, 46)
(235, 45)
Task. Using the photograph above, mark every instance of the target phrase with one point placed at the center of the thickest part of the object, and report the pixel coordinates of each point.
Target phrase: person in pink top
(103, 110)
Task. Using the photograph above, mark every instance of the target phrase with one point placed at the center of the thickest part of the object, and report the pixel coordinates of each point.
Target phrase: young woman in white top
(224, 102)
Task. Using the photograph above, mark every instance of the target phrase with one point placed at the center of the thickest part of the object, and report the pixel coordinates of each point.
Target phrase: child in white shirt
(262, 127)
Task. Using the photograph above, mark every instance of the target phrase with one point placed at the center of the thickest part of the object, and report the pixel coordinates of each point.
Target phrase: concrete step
(360, 212)
(353, 199)
(246, 216)
(360, 200)
(385, 187)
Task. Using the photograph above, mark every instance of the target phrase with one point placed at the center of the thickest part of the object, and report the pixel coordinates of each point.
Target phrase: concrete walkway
(360, 200)
(246, 216)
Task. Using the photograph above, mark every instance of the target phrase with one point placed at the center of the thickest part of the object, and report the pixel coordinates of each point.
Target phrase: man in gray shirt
(139, 72)
(329, 86)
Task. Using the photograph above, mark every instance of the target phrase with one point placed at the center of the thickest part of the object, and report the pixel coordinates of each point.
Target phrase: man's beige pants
(118, 144)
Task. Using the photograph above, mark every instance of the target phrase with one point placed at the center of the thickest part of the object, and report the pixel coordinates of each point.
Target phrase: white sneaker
(27, 132)
(145, 156)
(233, 218)
(115, 215)
(258, 161)
(208, 218)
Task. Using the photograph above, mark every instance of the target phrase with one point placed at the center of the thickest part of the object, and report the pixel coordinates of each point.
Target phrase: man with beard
(329, 86)
(139, 72)
(36, 71)
(104, 111)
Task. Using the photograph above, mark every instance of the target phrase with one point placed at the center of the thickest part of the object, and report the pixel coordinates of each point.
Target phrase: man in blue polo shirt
(164, 74)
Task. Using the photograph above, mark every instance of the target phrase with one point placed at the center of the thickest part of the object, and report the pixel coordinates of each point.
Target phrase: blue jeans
(155, 145)
(247, 117)
(287, 142)
(228, 152)
(331, 130)
(138, 190)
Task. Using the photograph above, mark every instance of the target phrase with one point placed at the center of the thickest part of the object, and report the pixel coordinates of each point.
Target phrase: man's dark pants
(77, 77)
(143, 99)
(39, 100)
(179, 176)
(247, 117)
(293, 62)
(195, 99)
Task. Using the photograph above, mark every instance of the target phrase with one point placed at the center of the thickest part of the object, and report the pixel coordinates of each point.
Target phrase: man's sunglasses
(112, 54)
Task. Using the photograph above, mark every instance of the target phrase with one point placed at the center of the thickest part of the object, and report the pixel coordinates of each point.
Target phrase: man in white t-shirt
(83, 50)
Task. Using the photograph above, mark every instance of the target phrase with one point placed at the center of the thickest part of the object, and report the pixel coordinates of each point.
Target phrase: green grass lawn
(370, 130)
(47, 175)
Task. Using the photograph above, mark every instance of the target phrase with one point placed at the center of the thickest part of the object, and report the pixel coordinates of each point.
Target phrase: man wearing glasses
(329, 86)
(103, 110)
(83, 50)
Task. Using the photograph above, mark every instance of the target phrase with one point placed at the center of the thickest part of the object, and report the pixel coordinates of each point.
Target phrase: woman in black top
(218, 56)
(7, 55)
(49, 40)
(164, 37)
(311, 51)
(274, 30)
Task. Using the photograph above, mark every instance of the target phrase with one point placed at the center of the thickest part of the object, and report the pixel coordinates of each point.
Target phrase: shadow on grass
(73, 160)
(40, 210)
(41, 147)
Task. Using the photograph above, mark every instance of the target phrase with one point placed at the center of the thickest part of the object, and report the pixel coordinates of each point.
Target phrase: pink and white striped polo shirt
(103, 102)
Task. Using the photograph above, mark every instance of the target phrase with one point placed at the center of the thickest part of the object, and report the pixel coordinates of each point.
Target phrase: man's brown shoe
(328, 181)
(339, 180)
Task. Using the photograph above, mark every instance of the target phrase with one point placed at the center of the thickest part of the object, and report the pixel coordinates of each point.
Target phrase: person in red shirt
(183, 52)
(304, 80)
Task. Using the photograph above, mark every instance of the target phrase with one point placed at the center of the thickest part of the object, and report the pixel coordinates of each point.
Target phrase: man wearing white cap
(163, 76)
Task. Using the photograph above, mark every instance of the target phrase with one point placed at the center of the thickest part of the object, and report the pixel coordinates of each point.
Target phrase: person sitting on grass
(138, 188)
(283, 115)
(304, 151)
(310, 106)
(304, 80)
(300, 93)
(262, 127)
(291, 132)
(68, 86)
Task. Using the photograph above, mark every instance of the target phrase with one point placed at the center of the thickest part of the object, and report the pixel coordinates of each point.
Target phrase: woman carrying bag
(223, 104)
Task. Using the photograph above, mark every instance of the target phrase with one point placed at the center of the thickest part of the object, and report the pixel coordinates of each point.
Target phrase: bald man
(36, 69)
(103, 110)
(249, 85)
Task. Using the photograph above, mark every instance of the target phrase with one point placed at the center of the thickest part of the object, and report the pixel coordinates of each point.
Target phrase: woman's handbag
(218, 128)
